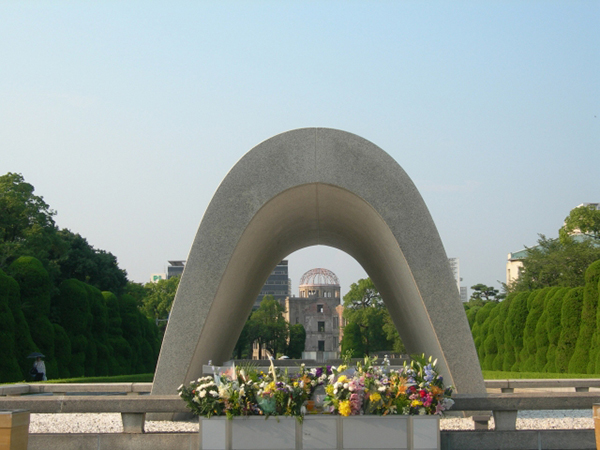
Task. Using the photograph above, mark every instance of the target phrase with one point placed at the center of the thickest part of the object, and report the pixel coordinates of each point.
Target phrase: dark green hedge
(570, 322)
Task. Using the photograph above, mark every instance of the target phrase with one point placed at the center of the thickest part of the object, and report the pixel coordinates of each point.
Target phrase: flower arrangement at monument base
(369, 405)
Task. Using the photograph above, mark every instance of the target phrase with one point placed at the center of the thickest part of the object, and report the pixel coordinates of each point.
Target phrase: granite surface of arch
(316, 186)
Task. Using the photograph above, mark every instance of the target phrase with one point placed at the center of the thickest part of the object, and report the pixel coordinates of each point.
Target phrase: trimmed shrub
(541, 333)
(73, 308)
(490, 345)
(580, 361)
(471, 314)
(24, 344)
(536, 308)
(513, 331)
(119, 348)
(554, 327)
(499, 331)
(591, 296)
(570, 322)
(35, 285)
(481, 318)
(9, 366)
(36, 290)
(62, 351)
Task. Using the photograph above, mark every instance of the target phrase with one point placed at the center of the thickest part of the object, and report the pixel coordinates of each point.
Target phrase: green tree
(297, 341)
(393, 337)
(268, 327)
(352, 341)
(159, 299)
(26, 224)
(363, 294)
(243, 346)
(83, 262)
(584, 220)
(483, 294)
(556, 263)
(364, 307)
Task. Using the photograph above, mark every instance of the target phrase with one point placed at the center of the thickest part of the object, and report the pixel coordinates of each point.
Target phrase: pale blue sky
(126, 116)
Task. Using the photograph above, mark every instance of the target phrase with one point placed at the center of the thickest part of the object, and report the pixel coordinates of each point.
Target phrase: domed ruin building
(319, 309)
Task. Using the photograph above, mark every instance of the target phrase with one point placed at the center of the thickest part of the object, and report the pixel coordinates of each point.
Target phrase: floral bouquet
(415, 389)
(236, 391)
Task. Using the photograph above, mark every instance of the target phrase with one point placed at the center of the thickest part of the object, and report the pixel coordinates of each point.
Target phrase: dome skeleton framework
(319, 277)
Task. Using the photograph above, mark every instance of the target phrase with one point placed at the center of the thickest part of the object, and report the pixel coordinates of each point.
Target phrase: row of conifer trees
(80, 330)
(546, 330)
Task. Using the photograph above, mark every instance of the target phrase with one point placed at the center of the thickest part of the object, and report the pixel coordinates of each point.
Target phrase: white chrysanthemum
(202, 393)
(335, 391)
(346, 385)
(381, 388)
(214, 393)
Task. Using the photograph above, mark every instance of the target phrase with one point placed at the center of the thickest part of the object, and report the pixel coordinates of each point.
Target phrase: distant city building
(278, 284)
(175, 268)
(455, 266)
(514, 263)
(319, 310)
(464, 295)
(156, 277)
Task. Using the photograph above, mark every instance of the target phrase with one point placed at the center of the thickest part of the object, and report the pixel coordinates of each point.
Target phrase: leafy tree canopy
(268, 327)
(157, 302)
(584, 220)
(364, 308)
(556, 262)
(83, 262)
(363, 294)
(26, 223)
(483, 294)
(27, 228)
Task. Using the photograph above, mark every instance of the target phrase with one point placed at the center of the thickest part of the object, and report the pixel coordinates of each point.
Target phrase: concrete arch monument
(316, 186)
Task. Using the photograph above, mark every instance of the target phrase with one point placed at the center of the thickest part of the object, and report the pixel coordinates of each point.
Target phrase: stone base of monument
(317, 432)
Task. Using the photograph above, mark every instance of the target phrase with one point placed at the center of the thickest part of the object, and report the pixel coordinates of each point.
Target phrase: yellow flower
(342, 379)
(416, 403)
(375, 397)
(344, 408)
(341, 368)
(329, 389)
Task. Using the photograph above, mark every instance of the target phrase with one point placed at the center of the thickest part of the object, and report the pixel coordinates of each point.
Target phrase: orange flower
(436, 391)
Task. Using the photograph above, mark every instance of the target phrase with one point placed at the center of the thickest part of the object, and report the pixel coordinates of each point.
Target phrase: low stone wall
(450, 440)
